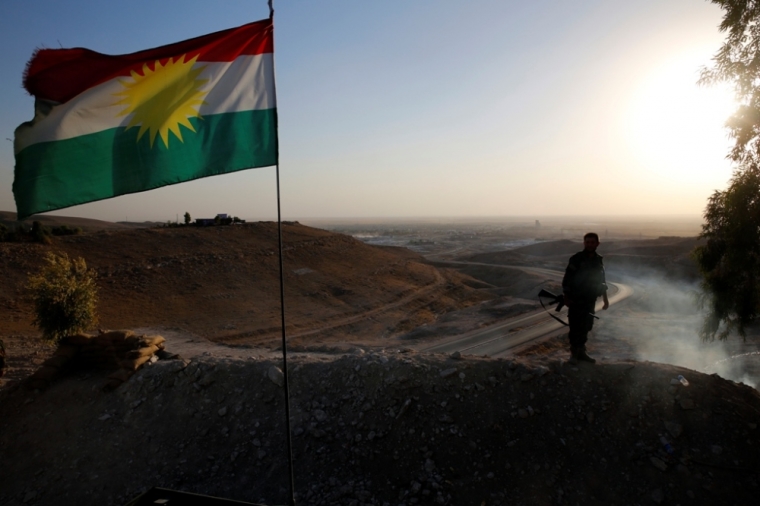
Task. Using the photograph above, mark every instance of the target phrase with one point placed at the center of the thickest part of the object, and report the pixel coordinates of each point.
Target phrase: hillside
(8, 219)
(222, 283)
(668, 255)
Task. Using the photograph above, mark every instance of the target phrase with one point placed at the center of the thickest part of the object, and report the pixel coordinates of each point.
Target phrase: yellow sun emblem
(163, 98)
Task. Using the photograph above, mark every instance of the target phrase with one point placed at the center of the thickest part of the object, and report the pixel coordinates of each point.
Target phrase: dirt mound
(664, 246)
(223, 283)
(551, 248)
(509, 257)
(386, 428)
(8, 219)
(666, 255)
(643, 265)
(510, 281)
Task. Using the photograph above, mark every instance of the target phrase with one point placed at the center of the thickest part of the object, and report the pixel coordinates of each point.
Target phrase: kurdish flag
(111, 125)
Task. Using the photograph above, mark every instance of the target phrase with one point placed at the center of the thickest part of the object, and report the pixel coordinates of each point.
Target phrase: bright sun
(163, 97)
(676, 128)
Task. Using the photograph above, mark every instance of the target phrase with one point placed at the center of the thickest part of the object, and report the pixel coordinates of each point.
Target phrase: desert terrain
(375, 419)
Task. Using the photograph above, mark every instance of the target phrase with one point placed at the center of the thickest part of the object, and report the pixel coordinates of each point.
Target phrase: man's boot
(580, 355)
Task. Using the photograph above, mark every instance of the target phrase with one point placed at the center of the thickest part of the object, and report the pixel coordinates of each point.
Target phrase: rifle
(559, 300)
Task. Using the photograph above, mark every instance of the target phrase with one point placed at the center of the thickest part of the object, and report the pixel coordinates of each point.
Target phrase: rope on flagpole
(291, 480)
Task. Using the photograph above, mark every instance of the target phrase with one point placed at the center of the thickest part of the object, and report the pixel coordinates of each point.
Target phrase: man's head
(590, 242)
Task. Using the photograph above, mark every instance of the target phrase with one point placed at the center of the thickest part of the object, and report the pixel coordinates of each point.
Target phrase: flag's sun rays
(163, 98)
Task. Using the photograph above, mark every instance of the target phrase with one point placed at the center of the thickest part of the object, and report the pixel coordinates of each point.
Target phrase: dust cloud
(661, 324)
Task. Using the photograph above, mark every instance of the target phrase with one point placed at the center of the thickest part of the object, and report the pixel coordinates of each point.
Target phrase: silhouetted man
(583, 283)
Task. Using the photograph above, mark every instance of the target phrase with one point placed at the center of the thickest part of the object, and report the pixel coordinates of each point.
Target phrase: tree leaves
(738, 62)
(730, 259)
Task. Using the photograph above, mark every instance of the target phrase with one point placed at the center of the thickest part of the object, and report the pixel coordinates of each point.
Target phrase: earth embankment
(669, 256)
(384, 427)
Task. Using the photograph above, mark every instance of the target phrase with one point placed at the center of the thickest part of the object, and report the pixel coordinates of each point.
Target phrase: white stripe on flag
(242, 85)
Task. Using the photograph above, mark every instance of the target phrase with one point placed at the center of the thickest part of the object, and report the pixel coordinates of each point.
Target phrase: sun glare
(676, 128)
(163, 97)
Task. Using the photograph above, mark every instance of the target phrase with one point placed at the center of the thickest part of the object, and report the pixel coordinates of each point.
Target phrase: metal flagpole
(291, 481)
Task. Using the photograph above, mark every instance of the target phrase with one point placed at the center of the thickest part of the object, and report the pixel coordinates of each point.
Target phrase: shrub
(40, 233)
(66, 230)
(65, 294)
(19, 233)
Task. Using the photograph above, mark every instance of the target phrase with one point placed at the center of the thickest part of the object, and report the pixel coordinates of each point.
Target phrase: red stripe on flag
(61, 74)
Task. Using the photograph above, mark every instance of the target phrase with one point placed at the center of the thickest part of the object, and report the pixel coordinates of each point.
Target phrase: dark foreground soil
(386, 427)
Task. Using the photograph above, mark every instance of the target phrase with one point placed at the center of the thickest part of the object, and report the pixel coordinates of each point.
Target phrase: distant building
(220, 219)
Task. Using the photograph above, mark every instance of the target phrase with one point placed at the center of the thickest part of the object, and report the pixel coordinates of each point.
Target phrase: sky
(431, 108)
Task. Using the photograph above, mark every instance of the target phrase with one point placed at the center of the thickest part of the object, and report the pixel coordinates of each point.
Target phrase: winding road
(503, 338)
(404, 301)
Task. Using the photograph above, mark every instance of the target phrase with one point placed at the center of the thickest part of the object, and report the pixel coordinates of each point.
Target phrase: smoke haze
(661, 324)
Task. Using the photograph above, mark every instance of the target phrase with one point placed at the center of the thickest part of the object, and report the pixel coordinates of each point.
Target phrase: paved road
(499, 339)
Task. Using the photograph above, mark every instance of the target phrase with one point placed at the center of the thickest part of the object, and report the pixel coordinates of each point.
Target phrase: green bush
(66, 230)
(65, 294)
(40, 233)
(19, 233)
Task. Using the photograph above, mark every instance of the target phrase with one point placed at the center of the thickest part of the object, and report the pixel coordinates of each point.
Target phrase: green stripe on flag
(53, 175)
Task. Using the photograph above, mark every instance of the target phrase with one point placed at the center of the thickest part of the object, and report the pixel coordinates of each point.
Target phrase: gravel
(384, 428)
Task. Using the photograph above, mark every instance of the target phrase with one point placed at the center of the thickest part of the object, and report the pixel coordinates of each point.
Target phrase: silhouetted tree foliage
(738, 62)
(730, 258)
(188, 219)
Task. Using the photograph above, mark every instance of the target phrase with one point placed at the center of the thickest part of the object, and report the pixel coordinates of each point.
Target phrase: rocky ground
(384, 427)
